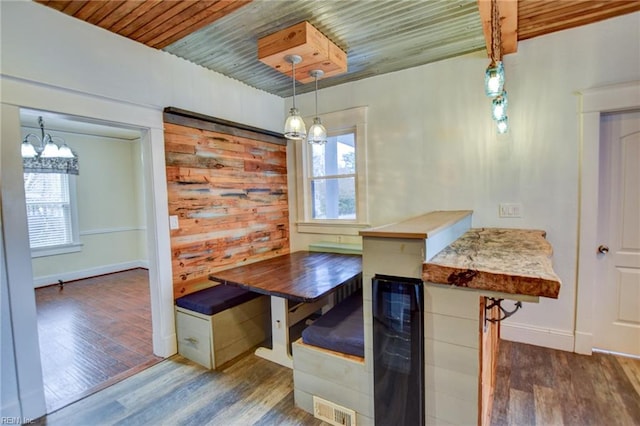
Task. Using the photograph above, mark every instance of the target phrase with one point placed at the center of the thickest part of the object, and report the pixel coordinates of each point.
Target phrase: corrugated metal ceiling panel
(379, 36)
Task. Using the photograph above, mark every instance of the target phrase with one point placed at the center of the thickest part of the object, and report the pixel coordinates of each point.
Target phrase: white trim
(111, 230)
(593, 103)
(18, 93)
(547, 337)
(603, 351)
(19, 274)
(340, 228)
(337, 122)
(88, 273)
(56, 250)
(583, 343)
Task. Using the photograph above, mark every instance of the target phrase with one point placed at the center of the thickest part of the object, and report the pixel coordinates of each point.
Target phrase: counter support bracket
(493, 302)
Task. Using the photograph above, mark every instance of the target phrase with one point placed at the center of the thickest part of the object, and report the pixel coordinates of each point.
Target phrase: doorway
(617, 311)
(84, 230)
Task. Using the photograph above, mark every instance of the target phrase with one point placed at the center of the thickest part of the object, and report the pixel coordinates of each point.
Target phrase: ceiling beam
(508, 11)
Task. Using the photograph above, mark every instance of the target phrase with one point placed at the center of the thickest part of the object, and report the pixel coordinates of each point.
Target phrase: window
(333, 183)
(51, 213)
(332, 180)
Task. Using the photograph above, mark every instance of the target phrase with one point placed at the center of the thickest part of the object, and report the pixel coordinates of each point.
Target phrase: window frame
(75, 245)
(353, 120)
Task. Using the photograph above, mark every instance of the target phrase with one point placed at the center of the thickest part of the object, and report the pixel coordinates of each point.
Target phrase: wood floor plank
(620, 390)
(582, 390)
(91, 332)
(285, 414)
(547, 411)
(632, 372)
(521, 408)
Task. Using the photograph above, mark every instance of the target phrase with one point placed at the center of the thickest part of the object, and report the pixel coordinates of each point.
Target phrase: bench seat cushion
(216, 299)
(341, 329)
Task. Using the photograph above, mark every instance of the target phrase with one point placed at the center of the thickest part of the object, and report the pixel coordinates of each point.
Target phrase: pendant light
(494, 75)
(494, 79)
(317, 132)
(294, 128)
(499, 106)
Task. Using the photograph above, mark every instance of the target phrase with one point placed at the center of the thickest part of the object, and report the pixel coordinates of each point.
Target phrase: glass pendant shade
(50, 150)
(494, 79)
(503, 125)
(317, 132)
(65, 152)
(27, 150)
(294, 127)
(499, 106)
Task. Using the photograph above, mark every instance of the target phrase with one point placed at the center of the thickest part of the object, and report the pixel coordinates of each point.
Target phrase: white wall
(432, 146)
(110, 204)
(52, 62)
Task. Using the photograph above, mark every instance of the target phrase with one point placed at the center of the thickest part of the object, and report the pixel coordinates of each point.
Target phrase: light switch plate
(173, 222)
(510, 210)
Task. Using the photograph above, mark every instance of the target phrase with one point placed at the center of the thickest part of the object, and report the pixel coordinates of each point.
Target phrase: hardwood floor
(541, 386)
(535, 386)
(93, 333)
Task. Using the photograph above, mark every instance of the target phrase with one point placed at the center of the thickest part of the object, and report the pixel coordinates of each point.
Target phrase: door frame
(16, 94)
(593, 103)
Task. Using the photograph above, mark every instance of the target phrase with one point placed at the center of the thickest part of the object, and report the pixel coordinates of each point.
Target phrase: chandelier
(41, 154)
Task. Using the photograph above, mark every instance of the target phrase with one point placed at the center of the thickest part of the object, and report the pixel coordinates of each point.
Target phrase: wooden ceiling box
(303, 39)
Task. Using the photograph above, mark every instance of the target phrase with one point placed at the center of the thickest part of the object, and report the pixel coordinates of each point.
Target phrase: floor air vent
(333, 413)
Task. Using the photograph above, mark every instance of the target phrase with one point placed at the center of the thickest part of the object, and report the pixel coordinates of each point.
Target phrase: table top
(302, 276)
(514, 261)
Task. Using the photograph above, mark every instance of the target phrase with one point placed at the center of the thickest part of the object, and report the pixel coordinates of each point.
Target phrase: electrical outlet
(173, 222)
(510, 210)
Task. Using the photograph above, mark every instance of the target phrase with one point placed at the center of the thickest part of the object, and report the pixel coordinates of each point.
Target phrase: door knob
(603, 249)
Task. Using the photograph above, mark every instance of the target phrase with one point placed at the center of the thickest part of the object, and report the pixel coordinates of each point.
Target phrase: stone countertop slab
(514, 261)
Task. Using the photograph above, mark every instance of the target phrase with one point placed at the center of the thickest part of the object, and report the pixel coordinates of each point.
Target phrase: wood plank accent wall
(228, 187)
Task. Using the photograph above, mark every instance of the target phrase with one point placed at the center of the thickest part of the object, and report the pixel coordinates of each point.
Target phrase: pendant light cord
(293, 71)
(316, 95)
(496, 33)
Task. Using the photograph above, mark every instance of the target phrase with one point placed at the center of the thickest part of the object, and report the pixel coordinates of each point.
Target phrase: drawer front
(194, 338)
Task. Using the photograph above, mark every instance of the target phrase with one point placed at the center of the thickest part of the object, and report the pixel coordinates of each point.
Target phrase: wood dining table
(298, 283)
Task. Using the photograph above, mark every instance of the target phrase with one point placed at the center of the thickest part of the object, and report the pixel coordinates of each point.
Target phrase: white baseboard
(584, 343)
(87, 273)
(547, 337)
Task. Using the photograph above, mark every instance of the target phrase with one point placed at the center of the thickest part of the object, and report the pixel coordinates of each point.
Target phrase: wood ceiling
(183, 27)
(152, 22)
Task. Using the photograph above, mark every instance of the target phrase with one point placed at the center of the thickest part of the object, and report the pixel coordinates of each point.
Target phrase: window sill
(56, 250)
(330, 228)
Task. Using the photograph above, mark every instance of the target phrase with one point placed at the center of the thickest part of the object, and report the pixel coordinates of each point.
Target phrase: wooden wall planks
(229, 191)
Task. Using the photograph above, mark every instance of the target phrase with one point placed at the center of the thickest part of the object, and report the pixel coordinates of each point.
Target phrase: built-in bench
(341, 329)
(219, 323)
(328, 361)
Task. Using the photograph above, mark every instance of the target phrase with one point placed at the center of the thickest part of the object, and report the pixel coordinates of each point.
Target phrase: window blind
(48, 209)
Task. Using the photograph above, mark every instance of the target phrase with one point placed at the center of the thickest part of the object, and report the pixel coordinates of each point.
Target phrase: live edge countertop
(513, 261)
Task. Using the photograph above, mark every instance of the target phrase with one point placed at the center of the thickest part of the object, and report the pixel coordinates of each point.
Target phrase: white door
(617, 303)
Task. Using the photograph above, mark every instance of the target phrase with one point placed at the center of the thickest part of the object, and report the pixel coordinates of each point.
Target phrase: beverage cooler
(398, 351)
